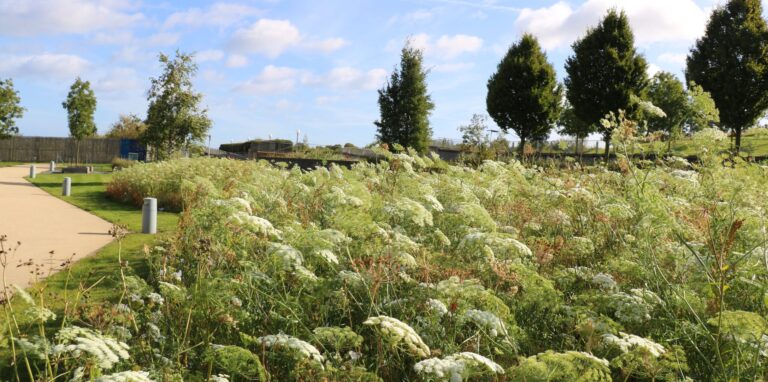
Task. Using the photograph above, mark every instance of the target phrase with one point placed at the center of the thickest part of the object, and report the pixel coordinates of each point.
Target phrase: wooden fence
(45, 149)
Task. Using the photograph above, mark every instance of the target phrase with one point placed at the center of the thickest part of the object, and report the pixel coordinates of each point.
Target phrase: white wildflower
(406, 209)
(126, 376)
(398, 333)
(457, 367)
(437, 306)
(328, 256)
(432, 203)
(627, 342)
(76, 341)
(255, 224)
(301, 349)
(156, 298)
(486, 321)
(219, 378)
(604, 281)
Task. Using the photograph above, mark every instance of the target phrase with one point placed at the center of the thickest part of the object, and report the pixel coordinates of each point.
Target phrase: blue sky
(273, 67)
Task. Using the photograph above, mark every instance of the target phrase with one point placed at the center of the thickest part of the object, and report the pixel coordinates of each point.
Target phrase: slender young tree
(80, 105)
(523, 94)
(604, 73)
(405, 104)
(174, 117)
(668, 93)
(702, 111)
(10, 109)
(731, 63)
(571, 125)
(128, 126)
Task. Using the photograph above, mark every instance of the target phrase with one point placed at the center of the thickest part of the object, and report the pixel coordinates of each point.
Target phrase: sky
(270, 68)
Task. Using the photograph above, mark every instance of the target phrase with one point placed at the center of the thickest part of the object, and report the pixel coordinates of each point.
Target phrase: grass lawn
(99, 274)
(9, 164)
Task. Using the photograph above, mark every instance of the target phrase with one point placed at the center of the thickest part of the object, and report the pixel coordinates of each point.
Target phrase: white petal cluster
(486, 321)
(437, 306)
(432, 203)
(254, 223)
(301, 349)
(604, 281)
(602, 361)
(328, 256)
(410, 210)
(627, 342)
(456, 367)
(292, 260)
(76, 342)
(398, 333)
(126, 376)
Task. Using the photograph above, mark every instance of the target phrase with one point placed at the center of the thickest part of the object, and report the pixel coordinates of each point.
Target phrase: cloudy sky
(272, 67)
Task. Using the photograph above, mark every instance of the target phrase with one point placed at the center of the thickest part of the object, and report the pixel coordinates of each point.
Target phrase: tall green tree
(701, 110)
(128, 126)
(731, 63)
(523, 94)
(10, 109)
(175, 118)
(405, 104)
(80, 105)
(572, 125)
(668, 93)
(604, 73)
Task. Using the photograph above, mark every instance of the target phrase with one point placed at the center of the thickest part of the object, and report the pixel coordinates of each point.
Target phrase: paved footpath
(42, 223)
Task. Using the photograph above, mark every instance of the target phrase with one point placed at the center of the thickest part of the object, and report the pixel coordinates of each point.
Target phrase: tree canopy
(174, 117)
(523, 93)
(604, 72)
(731, 63)
(405, 104)
(668, 93)
(10, 109)
(80, 105)
(128, 126)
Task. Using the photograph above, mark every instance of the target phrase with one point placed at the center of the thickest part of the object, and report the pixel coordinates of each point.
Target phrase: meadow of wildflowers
(413, 269)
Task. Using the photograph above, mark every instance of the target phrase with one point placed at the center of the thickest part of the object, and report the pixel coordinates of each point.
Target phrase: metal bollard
(149, 216)
(32, 171)
(66, 187)
(53, 166)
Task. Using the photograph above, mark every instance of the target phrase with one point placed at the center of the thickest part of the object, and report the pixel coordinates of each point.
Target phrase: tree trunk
(522, 147)
(607, 149)
(77, 152)
(738, 140)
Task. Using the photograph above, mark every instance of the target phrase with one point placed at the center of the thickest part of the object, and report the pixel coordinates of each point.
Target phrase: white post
(32, 171)
(149, 216)
(66, 187)
(53, 166)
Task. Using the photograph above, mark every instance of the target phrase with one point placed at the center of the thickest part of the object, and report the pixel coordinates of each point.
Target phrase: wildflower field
(413, 269)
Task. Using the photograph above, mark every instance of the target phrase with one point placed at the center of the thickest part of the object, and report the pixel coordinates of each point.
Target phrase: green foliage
(667, 92)
(10, 109)
(80, 105)
(523, 93)
(174, 117)
(573, 125)
(730, 63)
(237, 362)
(605, 71)
(128, 126)
(405, 105)
(561, 367)
(702, 112)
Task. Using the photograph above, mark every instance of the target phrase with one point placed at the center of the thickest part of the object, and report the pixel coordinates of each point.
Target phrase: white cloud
(272, 79)
(653, 69)
(452, 46)
(211, 75)
(163, 39)
(218, 14)
(268, 37)
(46, 65)
(673, 58)
(35, 17)
(118, 80)
(652, 21)
(453, 67)
(446, 47)
(326, 46)
(349, 78)
(209, 55)
(236, 61)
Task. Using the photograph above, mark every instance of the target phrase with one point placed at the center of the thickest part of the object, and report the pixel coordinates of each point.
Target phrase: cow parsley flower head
(406, 209)
(302, 350)
(81, 342)
(627, 342)
(486, 321)
(328, 256)
(437, 306)
(457, 367)
(604, 281)
(255, 224)
(399, 334)
(126, 376)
